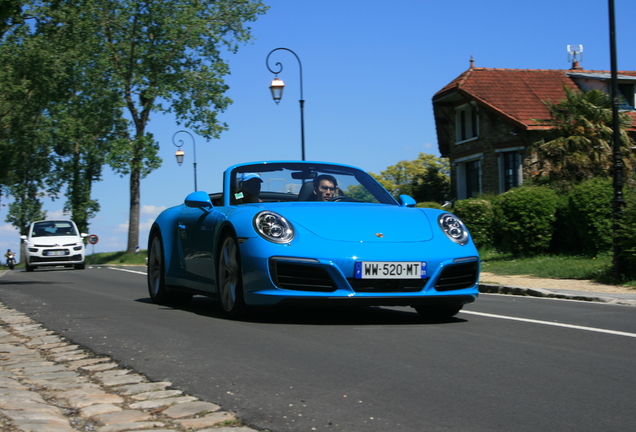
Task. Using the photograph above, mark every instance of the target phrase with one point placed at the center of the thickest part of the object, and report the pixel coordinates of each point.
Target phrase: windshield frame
(311, 168)
(48, 228)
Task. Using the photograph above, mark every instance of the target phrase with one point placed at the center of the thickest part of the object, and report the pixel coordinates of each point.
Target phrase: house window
(473, 178)
(466, 123)
(468, 174)
(626, 96)
(510, 169)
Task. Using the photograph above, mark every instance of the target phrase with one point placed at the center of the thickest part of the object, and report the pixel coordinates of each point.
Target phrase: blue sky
(370, 69)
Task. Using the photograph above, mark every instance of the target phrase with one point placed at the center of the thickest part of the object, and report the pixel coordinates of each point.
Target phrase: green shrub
(627, 236)
(478, 215)
(590, 214)
(564, 238)
(524, 218)
(430, 204)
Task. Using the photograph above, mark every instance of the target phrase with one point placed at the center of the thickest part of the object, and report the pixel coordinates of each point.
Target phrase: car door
(196, 230)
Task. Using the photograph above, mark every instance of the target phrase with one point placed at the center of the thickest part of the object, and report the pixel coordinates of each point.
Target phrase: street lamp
(618, 202)
(180, 153)
(276, 87)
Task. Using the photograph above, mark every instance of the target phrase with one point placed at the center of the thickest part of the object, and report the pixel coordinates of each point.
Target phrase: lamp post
(618, 202)
(180, 153)
(277, 86)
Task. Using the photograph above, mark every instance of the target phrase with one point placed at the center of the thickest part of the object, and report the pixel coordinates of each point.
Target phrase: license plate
(55, 253)
(390, 270)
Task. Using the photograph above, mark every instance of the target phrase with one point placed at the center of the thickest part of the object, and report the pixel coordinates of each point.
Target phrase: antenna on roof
(573, 51)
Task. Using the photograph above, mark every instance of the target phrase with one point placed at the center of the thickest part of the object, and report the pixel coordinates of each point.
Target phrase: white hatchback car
(54, 243)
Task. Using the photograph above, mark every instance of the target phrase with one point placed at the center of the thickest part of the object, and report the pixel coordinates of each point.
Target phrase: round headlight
(273, 227)
(454, 228)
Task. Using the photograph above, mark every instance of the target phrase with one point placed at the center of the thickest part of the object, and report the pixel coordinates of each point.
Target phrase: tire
(156, 272)
(156, 277)
(28, 268)
(81, 266)
(438, 313)
(229, 279)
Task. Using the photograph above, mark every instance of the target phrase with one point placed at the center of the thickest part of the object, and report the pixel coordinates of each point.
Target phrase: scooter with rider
(10, 256)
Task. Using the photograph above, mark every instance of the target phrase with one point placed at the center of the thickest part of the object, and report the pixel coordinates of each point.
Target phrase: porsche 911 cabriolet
(310, 233)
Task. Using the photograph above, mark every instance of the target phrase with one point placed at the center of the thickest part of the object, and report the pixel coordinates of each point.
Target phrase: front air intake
(300, 277)
(458, 276)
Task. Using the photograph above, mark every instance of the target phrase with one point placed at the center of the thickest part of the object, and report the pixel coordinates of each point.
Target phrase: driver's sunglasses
(327, 188)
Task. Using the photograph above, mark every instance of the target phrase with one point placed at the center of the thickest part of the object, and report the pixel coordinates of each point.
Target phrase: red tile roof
(517, 94)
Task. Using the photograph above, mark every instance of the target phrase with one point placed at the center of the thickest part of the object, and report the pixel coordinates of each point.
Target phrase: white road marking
(554, 324)
(129, 271)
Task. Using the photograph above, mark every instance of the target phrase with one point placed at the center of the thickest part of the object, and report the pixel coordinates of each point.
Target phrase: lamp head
(179, 155)
(276, 88)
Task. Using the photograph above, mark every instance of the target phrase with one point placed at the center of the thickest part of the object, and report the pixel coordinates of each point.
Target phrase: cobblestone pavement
(50, 385)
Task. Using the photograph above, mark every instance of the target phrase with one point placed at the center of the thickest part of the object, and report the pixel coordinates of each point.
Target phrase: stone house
(487, 119)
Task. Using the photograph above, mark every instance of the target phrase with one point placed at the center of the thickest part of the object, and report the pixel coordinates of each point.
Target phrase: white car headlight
(453, 227)
(273, 227)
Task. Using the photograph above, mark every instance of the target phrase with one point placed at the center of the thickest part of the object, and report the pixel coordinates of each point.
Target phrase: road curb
(540, 292)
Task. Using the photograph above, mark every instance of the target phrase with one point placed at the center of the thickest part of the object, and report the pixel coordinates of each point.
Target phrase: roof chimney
(472, 62)
(573, 51)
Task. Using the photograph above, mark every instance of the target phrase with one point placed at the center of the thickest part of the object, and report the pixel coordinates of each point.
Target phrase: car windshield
(53, 228)
(294, 181)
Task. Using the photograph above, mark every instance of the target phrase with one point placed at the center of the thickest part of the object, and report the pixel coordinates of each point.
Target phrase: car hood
(53, 241)
(362, 222)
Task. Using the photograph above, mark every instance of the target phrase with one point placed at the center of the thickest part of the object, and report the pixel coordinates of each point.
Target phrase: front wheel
(80, 266)
(28, 268)
(229, 279)
(155, 274)
(156, 277)
(438, 312)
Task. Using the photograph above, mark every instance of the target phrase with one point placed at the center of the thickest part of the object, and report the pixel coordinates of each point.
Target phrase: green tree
(79, 64)
(166, 57)
(26, 182)
(580, 145)
(425, 178)
(50, 79)
(26, 78)
(84, 129)
(10, 14)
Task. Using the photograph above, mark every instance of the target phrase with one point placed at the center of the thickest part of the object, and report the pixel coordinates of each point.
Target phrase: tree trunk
(133, 220)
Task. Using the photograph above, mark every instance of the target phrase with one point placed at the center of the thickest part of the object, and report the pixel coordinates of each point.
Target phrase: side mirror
(406, 201)
(199, 199)
(23, 237)
(83, 235)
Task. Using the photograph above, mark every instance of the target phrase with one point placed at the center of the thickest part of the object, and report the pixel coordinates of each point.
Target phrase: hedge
(524, 218)
(478, 215)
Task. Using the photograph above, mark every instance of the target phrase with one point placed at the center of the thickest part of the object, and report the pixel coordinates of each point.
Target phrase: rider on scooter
(9, 256)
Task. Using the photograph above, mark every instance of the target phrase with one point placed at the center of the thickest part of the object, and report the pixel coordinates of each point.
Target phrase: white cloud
(57, 214)
(152, 210)
(145, 226)
(8, 230)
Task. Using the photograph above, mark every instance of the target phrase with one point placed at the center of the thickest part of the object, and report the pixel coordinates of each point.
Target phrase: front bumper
(290, 280)
(55, 256)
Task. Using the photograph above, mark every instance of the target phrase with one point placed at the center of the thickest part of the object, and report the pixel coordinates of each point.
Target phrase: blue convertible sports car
(310, 233)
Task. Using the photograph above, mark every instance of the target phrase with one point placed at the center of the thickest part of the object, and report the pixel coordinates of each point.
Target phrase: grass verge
(117, 258)
(598, 269)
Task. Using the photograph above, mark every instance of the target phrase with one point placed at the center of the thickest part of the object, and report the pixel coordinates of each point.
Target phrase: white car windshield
(282, 182)
(53, 228)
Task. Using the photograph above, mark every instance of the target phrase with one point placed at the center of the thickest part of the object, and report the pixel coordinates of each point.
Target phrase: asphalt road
(506, 363)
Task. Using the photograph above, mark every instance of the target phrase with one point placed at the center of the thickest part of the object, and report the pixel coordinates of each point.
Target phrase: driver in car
(325, 187)
(250, 188)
